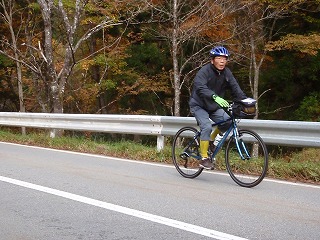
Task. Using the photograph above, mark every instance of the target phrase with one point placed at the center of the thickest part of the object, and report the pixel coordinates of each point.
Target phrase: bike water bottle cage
(245, 108)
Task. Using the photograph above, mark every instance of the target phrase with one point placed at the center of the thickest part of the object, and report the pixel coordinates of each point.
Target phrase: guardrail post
(160, 143)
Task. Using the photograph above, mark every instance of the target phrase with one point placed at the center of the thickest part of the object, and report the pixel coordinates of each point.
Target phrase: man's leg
(219, 116)
(205, 125)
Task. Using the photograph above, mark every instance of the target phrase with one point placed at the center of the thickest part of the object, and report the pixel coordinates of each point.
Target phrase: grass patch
(121, 148)
(300, 165)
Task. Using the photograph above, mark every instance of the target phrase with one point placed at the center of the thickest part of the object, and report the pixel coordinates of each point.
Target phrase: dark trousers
(203, 119)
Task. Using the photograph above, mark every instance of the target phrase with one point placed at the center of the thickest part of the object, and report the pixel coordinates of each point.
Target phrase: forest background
(140, 57)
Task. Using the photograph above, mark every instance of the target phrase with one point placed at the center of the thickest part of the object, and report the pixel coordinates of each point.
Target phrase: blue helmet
(219, 51)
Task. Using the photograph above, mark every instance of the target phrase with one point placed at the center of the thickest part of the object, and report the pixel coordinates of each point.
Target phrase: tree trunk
(176, 75)
(20, 91)
(256, 72)
(51, 76)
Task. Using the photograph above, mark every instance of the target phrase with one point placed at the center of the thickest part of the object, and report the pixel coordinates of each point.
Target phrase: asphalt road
(49, 194)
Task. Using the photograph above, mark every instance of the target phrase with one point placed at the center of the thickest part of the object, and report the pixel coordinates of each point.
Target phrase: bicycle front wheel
(185, 152)
(246, 158)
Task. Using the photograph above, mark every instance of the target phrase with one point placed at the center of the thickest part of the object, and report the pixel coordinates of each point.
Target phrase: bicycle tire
(251, 171)
(185, 152)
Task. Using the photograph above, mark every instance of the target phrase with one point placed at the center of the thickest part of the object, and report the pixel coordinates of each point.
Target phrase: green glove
(220, 101)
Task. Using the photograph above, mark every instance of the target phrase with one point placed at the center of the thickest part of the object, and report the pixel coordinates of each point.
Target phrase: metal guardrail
(283, 133)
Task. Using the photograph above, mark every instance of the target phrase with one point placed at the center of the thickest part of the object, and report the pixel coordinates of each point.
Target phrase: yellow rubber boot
(214, 134)
(204, 146)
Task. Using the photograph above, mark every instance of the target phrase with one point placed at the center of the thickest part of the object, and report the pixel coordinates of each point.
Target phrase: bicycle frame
(239, 143)
(189, 153)
(242, 149)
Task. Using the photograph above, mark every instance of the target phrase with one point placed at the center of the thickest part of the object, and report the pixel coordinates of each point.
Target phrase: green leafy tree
(150, 62)
(293, 65)
(8, 94)
(291, 78)
(309, 109)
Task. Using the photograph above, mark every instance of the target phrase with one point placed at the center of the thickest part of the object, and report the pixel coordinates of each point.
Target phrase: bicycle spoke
(185, 152)
(247, 162)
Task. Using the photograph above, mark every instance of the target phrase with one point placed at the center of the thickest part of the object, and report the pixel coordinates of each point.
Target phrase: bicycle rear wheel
(248, 166)
(185, 152)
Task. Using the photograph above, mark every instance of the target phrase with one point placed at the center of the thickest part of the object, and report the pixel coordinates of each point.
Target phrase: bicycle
(246, 155)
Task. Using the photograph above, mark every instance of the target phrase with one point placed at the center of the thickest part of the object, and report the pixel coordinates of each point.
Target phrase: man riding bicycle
(207, 99)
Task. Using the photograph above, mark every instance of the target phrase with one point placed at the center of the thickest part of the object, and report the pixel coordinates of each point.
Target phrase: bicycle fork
(241, 146)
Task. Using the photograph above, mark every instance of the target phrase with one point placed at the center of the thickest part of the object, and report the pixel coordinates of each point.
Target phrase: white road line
(163, 165)
(128, 211)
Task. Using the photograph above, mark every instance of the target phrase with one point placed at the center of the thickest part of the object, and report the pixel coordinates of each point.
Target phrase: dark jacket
(209, 81)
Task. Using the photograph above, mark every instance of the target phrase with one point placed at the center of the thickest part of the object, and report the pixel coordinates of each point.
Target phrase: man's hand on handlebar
(220, 101)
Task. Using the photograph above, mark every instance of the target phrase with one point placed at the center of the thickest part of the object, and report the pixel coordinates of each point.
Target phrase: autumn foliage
(140, 57)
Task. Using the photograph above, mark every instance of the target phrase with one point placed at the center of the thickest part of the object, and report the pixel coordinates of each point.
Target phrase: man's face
(219, 62)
